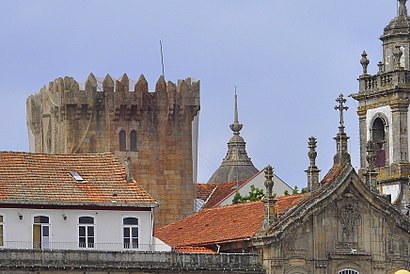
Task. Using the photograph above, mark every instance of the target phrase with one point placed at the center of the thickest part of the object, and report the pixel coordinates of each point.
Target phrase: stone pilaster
(399, 132)
(362, 135)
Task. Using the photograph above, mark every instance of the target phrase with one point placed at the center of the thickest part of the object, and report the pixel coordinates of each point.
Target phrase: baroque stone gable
(342, 226)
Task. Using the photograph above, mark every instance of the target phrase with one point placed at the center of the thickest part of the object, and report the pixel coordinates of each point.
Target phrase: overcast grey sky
(288, 59)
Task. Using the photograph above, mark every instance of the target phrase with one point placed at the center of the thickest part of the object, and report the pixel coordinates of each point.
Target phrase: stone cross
(341, 100)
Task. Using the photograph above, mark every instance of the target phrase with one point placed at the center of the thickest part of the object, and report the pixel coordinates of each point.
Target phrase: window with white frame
(348, 271)
(41, 232)
(86, 232)
(130, 232)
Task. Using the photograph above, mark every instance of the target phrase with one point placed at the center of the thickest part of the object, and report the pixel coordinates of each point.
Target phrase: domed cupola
(236, 165)
(400, 25)
(396, 40)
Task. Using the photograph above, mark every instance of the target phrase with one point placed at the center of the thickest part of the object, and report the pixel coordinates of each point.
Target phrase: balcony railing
(383, 80)
(82, 246)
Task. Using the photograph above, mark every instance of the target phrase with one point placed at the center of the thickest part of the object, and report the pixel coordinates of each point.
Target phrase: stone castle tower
(156, 130)
(383, 112)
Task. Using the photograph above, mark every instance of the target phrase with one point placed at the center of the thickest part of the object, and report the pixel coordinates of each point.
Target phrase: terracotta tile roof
(35, 178)
(203, 191)
(287, 202)
(213, 194)
(194, 249)
(222, 224)
(334, 171)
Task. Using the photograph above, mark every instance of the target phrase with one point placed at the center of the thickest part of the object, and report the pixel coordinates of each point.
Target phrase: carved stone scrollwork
(296, 243)
(397, 247)
(349, 219)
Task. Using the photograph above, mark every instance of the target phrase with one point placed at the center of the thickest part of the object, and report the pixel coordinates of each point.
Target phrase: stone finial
(269, 181)
(371, 174)
(312, 171)
(364, 62)
(312, 154)
(397, 53)
(236, 126)
(381, 66)
(402, 11)
(269, 200)
(342, 156)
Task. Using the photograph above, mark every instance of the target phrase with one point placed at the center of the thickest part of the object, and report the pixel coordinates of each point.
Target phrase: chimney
(128, 175)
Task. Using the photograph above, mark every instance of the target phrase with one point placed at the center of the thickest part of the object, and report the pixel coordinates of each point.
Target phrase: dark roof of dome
(225, 174)
(400, 25)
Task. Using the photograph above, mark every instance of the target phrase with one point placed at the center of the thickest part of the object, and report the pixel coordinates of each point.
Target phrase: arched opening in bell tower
(379, 139)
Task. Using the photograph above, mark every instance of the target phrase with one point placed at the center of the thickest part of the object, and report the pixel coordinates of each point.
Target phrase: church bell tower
(383, 110)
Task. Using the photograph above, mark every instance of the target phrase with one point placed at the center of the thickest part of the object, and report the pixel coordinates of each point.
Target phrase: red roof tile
(37, 178)
(214, 194)
(332, 174)
(222, 224)
(287, 202)
(204, 190)
(193, 249)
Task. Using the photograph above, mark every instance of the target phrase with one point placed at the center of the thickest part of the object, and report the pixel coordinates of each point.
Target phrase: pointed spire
(236, 165)
(312, 171)
(342, 156)
(236, 126)
(402, 11)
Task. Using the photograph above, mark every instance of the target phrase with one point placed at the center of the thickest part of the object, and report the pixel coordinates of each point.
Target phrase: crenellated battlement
(123, 93)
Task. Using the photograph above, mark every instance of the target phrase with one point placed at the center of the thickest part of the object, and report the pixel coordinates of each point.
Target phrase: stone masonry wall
(66, 118)
(42, 261)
